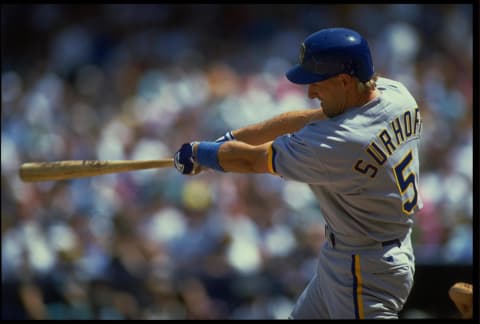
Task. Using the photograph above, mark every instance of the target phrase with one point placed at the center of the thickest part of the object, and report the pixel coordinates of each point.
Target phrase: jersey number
(404, 182)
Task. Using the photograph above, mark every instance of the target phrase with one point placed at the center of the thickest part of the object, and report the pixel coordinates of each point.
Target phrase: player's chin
(329, 112)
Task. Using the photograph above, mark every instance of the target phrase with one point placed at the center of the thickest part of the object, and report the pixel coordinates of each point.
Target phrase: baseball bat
(63, 170)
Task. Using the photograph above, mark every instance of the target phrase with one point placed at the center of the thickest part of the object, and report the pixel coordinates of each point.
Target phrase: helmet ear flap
(348, 68)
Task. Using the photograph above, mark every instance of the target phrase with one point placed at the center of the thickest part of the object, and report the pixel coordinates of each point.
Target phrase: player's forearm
(284, 123)
(236, 156)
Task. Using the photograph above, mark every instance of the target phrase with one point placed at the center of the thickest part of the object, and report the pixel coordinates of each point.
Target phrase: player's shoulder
(393, 89)
(383, 82)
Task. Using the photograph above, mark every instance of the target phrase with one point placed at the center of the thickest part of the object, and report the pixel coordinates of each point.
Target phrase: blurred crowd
(108, 82)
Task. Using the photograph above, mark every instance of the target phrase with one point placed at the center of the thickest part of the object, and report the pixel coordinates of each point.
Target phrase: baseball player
(358, 152)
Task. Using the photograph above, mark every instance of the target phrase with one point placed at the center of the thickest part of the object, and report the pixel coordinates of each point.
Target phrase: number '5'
(404, 182)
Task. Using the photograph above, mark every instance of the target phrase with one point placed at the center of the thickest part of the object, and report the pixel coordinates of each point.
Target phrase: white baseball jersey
(363, 167)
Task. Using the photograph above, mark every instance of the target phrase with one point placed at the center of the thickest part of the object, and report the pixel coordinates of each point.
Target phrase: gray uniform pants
(372, 281)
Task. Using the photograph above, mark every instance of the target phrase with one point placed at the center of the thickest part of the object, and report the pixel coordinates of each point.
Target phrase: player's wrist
(206, 154)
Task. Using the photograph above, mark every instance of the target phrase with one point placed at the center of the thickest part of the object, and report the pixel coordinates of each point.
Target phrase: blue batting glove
(184, 159)
(227, 137)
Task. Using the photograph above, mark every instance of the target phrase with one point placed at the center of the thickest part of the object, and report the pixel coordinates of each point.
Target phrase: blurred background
(135, 82)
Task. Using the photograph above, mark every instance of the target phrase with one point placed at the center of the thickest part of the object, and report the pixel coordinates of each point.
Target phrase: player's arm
(251, 152)
(236, 156)
(230, 156)
(272, 128)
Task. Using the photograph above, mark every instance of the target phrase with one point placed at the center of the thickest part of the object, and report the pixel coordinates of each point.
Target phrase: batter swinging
(358, 153)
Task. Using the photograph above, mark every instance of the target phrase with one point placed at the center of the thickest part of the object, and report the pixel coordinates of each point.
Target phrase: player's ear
(345, 79)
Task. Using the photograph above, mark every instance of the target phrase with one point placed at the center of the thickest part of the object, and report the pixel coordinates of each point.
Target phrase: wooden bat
(63, 170)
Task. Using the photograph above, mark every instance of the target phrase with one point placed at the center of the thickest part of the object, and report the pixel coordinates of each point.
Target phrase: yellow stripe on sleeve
(270, 160)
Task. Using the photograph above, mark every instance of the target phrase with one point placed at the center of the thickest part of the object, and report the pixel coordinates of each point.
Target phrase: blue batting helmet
(332, 51)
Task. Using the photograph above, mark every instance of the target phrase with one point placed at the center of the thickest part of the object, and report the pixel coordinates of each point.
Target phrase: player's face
(332, 94)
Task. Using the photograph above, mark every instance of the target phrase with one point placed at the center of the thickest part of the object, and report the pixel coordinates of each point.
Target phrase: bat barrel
(61, 170)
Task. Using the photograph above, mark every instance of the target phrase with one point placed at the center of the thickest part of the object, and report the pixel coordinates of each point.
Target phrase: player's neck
(364, 99)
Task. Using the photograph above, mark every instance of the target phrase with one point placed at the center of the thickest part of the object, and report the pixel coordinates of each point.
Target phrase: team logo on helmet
(302, 53)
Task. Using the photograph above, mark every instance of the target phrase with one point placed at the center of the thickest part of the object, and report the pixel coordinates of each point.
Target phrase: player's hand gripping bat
(63, 170)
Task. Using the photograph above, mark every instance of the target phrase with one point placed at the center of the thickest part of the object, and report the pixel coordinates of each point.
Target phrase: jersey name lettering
(400, 130)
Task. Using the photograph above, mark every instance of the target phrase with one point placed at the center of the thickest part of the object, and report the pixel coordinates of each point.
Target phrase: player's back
(363, 164)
